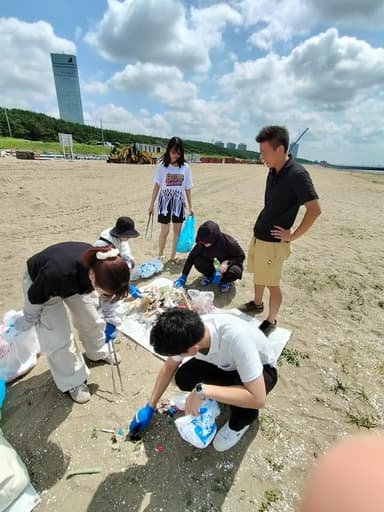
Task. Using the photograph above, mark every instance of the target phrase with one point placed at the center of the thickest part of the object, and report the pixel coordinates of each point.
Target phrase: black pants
(195, 370)
(206, 267)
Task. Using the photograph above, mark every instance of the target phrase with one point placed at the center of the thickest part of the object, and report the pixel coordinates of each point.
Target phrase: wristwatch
(199, 391)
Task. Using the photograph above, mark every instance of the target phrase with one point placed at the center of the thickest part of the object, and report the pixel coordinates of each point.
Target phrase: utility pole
(9, 126)
(102, 133)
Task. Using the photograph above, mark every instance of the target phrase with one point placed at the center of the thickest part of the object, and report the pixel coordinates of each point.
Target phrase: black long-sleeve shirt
(57, 271)
(224, 247)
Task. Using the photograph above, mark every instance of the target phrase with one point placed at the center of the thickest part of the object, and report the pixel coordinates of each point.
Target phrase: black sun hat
(125, 227)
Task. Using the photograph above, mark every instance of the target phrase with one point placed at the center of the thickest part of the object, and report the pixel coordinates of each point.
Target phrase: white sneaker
(226, 438)
(111, 358)
(80, 394)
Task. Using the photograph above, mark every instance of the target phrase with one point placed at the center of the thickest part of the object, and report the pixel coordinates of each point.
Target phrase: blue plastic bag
(187, 235)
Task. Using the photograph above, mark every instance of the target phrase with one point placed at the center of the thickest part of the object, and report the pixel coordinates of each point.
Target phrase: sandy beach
(330, 378)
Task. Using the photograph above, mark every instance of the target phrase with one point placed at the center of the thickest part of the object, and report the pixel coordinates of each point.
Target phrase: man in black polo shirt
(288, 187)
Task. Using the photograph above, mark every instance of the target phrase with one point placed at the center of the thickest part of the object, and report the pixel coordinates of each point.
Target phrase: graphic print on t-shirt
(174, 180)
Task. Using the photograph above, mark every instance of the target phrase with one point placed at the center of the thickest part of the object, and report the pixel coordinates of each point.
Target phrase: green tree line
(40, 127)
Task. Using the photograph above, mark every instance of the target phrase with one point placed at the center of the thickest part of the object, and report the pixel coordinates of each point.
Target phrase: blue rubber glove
(134, 292)
(109, 332)
(3, 390)
(180, 281)
(216, 277)
(141, 419)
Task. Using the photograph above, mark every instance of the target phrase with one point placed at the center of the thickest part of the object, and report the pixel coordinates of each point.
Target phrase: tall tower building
(67, 87)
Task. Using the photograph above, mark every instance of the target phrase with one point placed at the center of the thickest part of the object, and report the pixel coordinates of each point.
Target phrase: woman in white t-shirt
(172, 182)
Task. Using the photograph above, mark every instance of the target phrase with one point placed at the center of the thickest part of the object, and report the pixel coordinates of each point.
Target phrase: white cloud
(368, 14)
(94, 87)
(331, 71)
(156, 32)
(281, 20)
(319, 84)
(163, 83)
(275, 21)
(327, 71)
(118, 118)
(26, 77)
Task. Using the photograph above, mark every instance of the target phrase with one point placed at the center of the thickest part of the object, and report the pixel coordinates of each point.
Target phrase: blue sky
(209, 70)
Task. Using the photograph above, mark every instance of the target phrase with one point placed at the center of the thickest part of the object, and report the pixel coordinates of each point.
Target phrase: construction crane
(297, 140)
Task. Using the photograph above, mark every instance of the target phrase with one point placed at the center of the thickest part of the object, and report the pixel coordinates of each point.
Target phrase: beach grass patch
(362, 420)
(270, 497)
(292, 356)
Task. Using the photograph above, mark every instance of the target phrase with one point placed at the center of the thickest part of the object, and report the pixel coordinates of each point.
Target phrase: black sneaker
(267, 327)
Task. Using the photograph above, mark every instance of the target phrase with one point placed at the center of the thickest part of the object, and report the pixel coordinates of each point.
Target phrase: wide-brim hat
(125, 227)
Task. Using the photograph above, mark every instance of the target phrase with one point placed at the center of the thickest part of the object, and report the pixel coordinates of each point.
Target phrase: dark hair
(111, 274)
(175, 331)
(275, 135)
(174, 143)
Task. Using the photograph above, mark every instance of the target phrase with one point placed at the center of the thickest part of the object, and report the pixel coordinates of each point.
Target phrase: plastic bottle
(217, 275)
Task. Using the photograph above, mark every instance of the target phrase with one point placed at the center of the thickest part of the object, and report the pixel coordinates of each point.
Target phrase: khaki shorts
(265, 261)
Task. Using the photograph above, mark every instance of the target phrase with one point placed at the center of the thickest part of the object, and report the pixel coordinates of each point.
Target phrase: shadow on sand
(178, 478)
(33, 409)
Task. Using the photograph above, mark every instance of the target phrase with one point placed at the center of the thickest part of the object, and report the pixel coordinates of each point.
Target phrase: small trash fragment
(94, 433)
(120, 432)
(85, 471)
(159, 448)
(171, 411)
(114, 438)
(108, 430)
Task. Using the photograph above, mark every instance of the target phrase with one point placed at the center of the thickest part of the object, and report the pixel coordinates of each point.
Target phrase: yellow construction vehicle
(130, 154)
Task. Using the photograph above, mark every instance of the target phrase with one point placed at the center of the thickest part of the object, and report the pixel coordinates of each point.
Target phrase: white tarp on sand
(139, 332)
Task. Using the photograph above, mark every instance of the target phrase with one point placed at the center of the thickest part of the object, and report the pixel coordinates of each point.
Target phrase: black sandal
(252, 307)
(267, 327)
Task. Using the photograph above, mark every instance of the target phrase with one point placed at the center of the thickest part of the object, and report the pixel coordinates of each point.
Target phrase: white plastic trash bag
(16, 491)
(200, 430)
(18, 351)
(202, 302)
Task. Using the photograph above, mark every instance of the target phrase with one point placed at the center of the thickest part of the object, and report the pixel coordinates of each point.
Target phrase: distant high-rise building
(67, 87)
(231, 145)
(219, 144)
(242, 146)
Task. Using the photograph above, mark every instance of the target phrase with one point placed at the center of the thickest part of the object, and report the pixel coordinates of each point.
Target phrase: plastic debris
(84, 471)
(159, 448)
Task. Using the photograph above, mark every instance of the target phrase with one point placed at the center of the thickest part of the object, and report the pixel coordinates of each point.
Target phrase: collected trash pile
(162, 295)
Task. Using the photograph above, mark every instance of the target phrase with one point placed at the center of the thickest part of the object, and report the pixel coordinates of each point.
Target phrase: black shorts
(176, 219)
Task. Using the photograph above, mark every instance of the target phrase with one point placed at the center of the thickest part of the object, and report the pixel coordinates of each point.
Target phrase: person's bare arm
(155, 191)
(251, 395)
(163, 379)
(189, 200)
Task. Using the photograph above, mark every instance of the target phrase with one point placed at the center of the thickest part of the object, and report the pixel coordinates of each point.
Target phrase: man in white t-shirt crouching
(231, 362)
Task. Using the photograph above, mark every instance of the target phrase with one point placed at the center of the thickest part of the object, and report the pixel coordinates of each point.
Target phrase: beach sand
(330, 377)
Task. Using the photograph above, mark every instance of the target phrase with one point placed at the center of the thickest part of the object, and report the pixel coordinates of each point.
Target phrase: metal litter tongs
(149, 229)
(114, 363)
